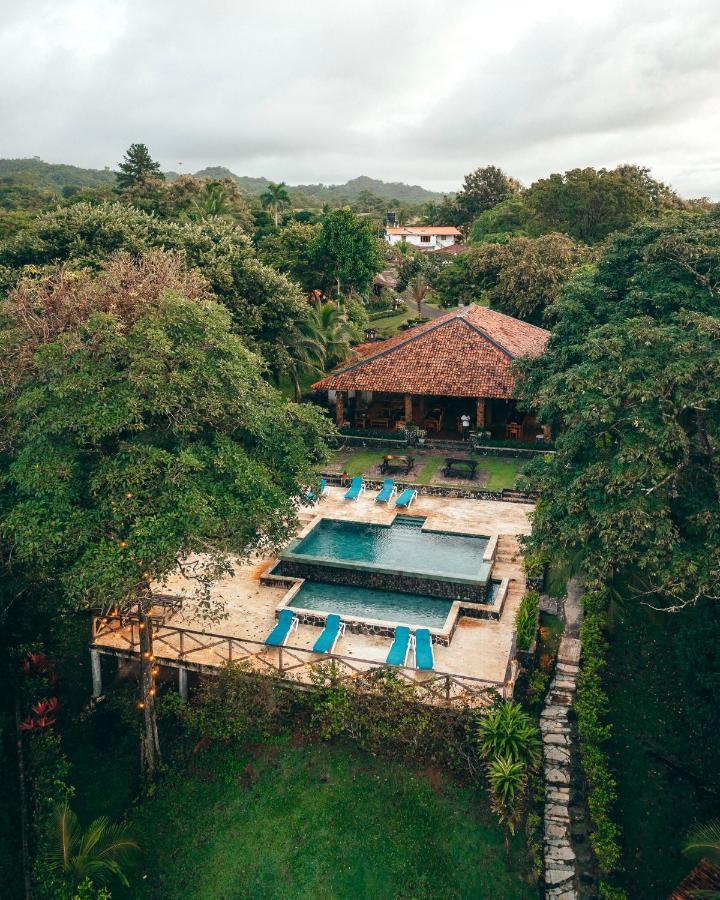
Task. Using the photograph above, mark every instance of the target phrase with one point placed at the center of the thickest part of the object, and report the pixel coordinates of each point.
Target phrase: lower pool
(367, 603)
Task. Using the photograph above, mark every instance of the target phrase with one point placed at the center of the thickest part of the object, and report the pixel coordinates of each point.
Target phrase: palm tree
(704, 843)
(214, 201)
(337, 333)
(96, 853)
(276, 196)
(418, 288)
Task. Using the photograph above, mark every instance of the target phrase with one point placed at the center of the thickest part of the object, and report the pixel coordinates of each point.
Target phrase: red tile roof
(424, 229)
(704, 877)
(466, 353)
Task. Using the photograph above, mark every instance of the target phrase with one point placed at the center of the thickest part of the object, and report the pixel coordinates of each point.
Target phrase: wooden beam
(480, 414)
(339, 408)
(408, 408)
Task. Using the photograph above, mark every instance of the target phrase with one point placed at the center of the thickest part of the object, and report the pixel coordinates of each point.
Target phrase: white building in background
(424, 237)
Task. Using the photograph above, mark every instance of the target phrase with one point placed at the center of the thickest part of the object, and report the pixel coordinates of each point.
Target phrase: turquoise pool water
(366, 603)
(402, 547)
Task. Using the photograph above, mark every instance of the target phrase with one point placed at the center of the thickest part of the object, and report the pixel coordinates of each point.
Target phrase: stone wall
(384, 581)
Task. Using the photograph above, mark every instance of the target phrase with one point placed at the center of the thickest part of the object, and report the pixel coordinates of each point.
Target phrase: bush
(526, 620)
(591, 705)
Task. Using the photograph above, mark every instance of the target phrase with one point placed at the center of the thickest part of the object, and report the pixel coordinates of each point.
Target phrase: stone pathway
(567, 856)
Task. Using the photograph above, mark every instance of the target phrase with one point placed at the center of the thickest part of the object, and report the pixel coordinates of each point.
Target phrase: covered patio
(436, 373)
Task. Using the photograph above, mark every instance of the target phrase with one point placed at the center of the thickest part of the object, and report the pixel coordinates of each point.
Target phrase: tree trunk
(276, 215)
(150, 740)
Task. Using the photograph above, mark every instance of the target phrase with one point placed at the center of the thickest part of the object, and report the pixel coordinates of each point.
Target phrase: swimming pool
(357, 602)
(402, 547)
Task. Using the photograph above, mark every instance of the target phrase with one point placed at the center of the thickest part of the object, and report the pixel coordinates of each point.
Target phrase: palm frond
(704, 842)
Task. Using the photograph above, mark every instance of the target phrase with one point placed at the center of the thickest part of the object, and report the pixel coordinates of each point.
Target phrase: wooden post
(339, 408)
(447, 688)
(280, 660)
(96, 673)
(182, 682)
(548, 433)
(408, 408)
(480, 414)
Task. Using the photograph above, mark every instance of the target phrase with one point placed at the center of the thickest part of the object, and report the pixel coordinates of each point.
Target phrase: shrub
(526, 619)
(591, 705)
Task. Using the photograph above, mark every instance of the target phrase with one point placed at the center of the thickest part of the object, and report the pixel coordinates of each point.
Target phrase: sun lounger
(424, 655)
(333, 629)
(287, 622)
(356, 488)
(387, 492)
(406, 498)
(312, 496)
(401, 647)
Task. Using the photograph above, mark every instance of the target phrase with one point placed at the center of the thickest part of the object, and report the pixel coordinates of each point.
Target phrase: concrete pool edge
(384, 627)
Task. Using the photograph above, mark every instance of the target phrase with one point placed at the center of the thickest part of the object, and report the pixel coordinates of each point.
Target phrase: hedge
(594, 730)
(526, 619)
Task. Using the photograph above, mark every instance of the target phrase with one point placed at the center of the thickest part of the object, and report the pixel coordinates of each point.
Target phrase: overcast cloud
(403, 90)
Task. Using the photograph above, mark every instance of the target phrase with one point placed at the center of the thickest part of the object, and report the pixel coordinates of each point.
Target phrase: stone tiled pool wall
(382, 580)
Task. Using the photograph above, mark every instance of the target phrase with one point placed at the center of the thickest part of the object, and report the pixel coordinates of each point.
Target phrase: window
(424, 238)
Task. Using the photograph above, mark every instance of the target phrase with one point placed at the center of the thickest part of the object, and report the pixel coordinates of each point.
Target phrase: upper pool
(402, 547)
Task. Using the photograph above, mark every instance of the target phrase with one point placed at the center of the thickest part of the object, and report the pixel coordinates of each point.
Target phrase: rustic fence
(177, 646)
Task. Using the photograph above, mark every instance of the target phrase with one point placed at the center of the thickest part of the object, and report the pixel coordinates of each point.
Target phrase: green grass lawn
(502, 473)
(319, 822)
(387, 326)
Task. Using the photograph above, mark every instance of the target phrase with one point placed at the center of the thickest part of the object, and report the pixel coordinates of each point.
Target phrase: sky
(409, 90)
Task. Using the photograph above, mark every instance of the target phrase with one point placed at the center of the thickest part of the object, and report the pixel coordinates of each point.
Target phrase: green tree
(138, 433)
(137, 166)
(347, 251)
(511, 218)
(291, 250)
(275, 197)
(97, 853)
(589, 204)
(482, 189)
(261, 300)
(522, 276)
(629, 382)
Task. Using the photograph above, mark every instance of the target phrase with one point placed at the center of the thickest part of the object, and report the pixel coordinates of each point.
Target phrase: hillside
(56, 176)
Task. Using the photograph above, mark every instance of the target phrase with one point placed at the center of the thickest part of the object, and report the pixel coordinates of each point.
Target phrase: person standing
(465, 424)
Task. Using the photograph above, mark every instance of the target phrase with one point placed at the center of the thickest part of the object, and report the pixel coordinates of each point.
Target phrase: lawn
(387, 326)
(501, 473)
(317, 821)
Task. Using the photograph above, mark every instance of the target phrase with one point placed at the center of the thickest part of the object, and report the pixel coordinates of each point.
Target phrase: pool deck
(480, 648)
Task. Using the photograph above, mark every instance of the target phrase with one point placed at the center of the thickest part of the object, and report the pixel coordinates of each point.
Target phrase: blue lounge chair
(406, 498)
(401, 647)
(286, 623)
(387, 492)
(333, 629)
(356, 488)
(312, 496)
(424, 656)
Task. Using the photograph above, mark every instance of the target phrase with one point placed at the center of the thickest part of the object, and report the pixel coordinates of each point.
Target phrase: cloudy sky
(407, 90)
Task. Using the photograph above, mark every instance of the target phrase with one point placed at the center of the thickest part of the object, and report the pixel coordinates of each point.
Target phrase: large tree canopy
(261, 300)
(482, 189)
(137, 430)
(589, 204)
(630, 382)
(347, 251)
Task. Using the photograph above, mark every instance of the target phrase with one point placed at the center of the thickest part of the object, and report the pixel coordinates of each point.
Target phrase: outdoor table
(466, 467)
(401, 464)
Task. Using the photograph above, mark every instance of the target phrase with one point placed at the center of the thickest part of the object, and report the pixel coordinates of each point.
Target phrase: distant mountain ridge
(57, 176)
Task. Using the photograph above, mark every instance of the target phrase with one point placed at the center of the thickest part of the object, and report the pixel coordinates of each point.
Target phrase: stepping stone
(558, 874)
(553, 737)
(557, 776)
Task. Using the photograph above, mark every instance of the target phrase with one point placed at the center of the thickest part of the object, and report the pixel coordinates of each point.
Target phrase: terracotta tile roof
(704, 877)
(466, 353)
(452, 249)
(447, 230)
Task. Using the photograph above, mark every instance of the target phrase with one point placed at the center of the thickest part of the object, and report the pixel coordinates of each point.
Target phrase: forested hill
(57, 176)
(351, 190)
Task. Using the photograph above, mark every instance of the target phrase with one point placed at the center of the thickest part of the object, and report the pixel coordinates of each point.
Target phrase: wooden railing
(176, 645)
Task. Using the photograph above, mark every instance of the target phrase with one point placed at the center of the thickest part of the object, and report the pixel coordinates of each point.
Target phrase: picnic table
(400, 464)
(459, 468)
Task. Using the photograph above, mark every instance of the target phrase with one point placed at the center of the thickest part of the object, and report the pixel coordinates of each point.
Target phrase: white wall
(436, 240)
